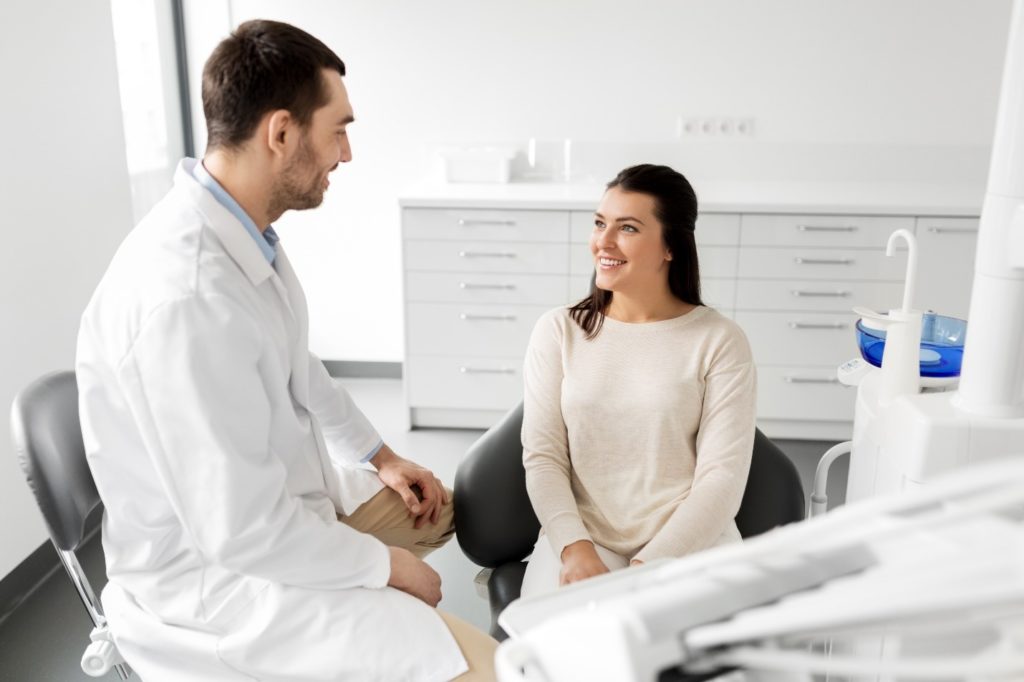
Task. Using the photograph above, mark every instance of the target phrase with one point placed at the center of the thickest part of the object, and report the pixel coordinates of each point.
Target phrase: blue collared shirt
(267, 240)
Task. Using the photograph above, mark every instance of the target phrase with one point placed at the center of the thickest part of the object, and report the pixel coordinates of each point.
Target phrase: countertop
(817, 198)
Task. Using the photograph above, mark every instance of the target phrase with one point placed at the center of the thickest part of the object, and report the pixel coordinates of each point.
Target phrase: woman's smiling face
(627, 245)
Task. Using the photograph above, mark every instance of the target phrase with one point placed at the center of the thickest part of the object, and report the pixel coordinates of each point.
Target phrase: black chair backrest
(495, 522)
(774, 495)
(48, 442)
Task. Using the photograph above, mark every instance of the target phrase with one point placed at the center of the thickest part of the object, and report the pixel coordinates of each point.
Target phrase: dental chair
(48, 442)
(496, 526)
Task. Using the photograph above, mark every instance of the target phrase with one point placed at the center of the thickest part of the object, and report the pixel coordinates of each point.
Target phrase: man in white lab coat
(237, 476)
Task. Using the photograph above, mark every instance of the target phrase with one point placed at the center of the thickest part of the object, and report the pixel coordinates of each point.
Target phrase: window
(151, 96)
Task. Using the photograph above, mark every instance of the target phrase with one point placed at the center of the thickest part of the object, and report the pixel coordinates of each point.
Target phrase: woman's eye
(598, 225)
(629, 228)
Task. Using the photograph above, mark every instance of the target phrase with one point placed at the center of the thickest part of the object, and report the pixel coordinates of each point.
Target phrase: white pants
(544, 567)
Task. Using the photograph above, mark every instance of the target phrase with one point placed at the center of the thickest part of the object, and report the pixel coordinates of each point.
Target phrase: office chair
(496, 526)
(48, 442)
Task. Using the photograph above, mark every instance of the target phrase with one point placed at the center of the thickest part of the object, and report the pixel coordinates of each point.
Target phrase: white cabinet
(482, 225)
(475, 283)
(477, 279)
(797, 280)
(946, 264)
(828, 231)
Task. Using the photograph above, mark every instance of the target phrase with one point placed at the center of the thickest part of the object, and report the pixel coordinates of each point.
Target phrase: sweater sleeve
(725, 440)
(545, 439)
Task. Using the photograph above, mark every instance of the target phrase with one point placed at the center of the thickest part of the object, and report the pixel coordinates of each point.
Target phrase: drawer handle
(819, 294)
(827, 228)
(817, 325)
(502, 318)
(800, 260)
(811, 380)
(472, 222)
(473, 285)
(486, 370)
(953, 230)
(486, 254)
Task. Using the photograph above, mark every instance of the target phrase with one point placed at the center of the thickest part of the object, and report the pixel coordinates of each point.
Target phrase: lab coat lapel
(296, 301)
(298, 383)
(240, 246)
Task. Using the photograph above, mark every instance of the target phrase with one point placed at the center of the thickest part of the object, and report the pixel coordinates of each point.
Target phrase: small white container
(478, 164)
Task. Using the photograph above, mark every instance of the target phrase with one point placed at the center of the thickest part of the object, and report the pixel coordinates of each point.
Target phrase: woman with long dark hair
(639, 400)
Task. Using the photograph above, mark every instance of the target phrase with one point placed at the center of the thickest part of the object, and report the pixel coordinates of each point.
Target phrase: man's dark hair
(263, 66)
(675, 207)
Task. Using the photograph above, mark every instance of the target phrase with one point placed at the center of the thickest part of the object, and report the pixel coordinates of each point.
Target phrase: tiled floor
(45, 638)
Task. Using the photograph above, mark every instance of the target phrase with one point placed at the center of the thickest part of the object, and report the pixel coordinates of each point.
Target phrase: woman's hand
(579, 562)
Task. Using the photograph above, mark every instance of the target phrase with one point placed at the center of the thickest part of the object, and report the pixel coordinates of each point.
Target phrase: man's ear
(280, 128)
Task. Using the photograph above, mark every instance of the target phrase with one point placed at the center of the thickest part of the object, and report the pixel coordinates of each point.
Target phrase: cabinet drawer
(800, 338)
(717, 293)
(467, 382)
(803, 393)
(581, 224)
(720, 229)
(826, 264)
(446, 287)
(455, 330)
(715, 261)
(485, 225)
(820, 230)
(774, 294)
(484, 257)
(579, 287)
(946, 248)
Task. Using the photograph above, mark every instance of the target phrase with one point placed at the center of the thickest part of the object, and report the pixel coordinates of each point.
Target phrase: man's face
(321, 147)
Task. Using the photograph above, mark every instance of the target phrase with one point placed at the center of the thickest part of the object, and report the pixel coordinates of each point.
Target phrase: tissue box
(480, 164)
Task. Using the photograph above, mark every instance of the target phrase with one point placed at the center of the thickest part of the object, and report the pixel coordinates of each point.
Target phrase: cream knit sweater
(639, 439)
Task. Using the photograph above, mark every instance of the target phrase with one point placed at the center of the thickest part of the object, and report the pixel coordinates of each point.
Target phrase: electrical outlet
(714, 126)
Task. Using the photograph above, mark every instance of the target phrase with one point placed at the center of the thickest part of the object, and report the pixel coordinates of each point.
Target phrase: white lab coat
(223, 450)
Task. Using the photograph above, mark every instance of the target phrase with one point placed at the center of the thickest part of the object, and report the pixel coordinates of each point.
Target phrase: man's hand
(401, 475)
(413, 576)
(579, 562)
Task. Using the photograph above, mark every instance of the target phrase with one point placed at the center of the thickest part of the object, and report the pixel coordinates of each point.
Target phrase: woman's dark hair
(263, 66)
(675, 207)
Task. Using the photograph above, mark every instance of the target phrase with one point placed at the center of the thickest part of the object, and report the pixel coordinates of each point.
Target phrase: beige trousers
(386, 517)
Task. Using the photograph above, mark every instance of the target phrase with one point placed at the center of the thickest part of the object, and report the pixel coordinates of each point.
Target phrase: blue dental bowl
(942, 344)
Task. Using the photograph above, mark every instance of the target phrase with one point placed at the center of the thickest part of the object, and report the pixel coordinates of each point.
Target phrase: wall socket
(714, 126)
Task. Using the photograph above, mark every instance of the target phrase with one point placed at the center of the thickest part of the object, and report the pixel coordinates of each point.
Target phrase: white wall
(66, 205)
(840, 90)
